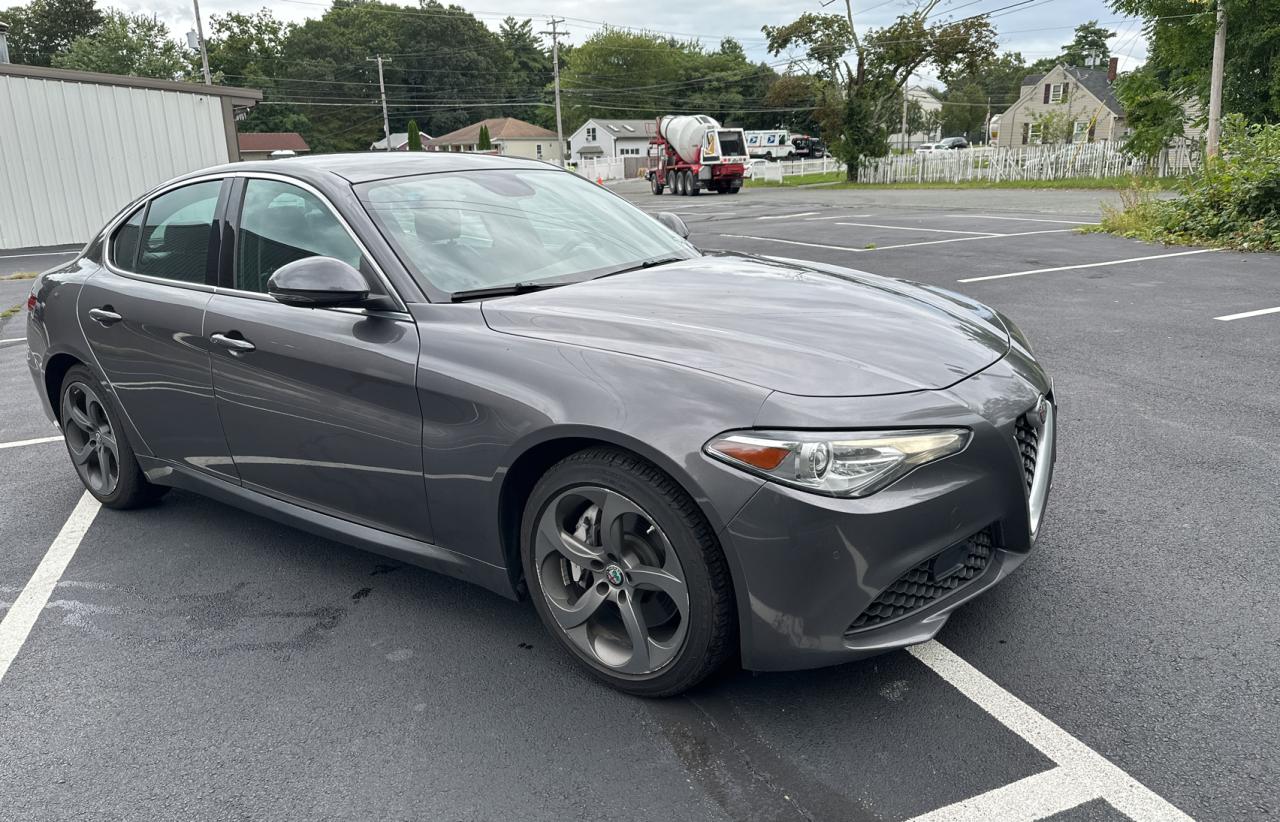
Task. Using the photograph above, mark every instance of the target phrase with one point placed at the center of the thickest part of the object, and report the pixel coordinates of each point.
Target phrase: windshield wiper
(649, 263)
(501, 290)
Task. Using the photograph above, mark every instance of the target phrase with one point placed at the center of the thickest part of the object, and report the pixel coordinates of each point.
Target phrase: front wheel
(98, 446)
(654, 185)
(626, 573)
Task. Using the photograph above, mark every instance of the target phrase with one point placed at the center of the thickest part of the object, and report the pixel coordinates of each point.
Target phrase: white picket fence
(1045, 162)
(774, 171)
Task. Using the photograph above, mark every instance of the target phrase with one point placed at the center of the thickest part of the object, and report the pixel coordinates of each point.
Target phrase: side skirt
(415, 552)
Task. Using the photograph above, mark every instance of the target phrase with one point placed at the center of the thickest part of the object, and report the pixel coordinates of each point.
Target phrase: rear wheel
(626, 574)
(99, 447)
(680, 184)
(654, 185)
(695, 185)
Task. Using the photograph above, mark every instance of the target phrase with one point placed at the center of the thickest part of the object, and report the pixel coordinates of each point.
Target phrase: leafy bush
(1233, 202)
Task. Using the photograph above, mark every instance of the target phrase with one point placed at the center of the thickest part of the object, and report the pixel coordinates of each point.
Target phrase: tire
(677, 185)
(98, 445)
(695, 185)
(733, 189)
(654, 185)
(629, 519)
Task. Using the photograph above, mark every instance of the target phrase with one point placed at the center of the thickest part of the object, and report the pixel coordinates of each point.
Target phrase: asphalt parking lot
(195, 662)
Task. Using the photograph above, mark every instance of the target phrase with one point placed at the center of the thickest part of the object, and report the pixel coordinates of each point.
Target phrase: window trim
(145, 206)
(228, 213)
(1057, 92)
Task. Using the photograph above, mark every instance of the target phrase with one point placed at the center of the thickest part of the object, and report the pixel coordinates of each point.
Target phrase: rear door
(143, 315)
(319, 406)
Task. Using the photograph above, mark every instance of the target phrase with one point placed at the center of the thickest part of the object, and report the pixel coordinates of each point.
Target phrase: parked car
(928, 148)
(807, 147)
(494, 369)
(953, 143)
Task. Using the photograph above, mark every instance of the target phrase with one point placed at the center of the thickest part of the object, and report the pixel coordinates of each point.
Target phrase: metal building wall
(73, 153)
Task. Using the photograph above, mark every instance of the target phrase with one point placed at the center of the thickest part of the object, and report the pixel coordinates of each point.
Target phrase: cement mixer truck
(695, 153)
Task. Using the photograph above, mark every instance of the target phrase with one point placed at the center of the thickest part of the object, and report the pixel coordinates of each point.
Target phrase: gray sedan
(496, 370)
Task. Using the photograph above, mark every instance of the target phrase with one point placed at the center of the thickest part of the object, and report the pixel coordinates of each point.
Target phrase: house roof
(398, 138)
(500, 128)
(1032, 79)
(239, 96)
(1098, 85)
(626, 128)
(273, 141)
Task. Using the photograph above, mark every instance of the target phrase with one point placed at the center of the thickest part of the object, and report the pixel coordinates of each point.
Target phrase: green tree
(999, 78)
(415, 136)
(1153, 112)
(859, 97)
(1056, 125)
(248, 50)
(1088, 46)
(527, 69)
(45, 28)
(483, 142)
(127, 44)
(1180, 50)
(964, 112)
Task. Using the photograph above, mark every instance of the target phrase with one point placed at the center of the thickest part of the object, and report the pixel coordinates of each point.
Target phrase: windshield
(467, 230)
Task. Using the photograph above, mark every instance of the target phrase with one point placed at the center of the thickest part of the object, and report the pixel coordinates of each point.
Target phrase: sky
(1036, 29)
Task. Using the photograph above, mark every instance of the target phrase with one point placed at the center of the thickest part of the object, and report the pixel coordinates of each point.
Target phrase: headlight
(852, 464)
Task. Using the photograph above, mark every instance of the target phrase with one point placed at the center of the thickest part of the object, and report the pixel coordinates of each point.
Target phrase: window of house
(1057, 92)
(1033, 132)
(1080, 131)
(177, 232)
(591, 134)
(280, 223)
(539, 151)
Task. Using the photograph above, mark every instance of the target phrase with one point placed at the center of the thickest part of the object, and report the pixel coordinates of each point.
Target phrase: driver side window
(281, 223)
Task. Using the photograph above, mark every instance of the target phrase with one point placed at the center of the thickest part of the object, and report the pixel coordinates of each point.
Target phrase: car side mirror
(673, 222)
(317, 282)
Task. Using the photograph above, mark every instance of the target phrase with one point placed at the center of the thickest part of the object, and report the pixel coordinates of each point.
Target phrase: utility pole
(1215, 83)
(555, 71)
(988, 129)
(382, 88)
(204, 53)
(906, 138)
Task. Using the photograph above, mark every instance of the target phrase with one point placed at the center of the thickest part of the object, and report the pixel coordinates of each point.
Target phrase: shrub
(1233, 202)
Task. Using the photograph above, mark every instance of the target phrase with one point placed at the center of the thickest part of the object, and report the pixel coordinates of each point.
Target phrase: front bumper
(810, 566)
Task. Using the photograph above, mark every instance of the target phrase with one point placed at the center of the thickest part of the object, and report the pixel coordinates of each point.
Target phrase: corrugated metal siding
(72, 154)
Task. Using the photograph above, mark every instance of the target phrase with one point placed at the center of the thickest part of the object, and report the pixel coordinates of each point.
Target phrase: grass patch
(835, 179)
(11, 311)
(21, 275)
(1233, 202)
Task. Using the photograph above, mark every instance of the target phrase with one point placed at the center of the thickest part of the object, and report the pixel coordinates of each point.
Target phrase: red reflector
(31, 302)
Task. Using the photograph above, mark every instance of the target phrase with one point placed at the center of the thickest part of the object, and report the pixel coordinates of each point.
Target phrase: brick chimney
(1111, 69)
(4, 42)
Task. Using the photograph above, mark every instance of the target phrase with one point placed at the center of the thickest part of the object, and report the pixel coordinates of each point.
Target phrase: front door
(143, 314)
(319, 406)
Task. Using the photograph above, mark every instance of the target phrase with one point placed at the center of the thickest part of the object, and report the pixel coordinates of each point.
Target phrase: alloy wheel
(91, 439)
(611, 580)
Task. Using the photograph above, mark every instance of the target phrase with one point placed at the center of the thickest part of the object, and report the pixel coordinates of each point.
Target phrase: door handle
(236, 345)
(104, 316)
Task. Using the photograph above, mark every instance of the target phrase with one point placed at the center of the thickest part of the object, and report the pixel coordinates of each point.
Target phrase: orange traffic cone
(599, 181)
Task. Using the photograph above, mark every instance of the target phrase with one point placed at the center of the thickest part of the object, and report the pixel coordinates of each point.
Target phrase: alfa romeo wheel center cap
(614, 574)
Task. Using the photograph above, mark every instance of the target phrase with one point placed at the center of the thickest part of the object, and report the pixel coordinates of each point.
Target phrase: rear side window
(124, 244)
(177, 232)
(280, 223)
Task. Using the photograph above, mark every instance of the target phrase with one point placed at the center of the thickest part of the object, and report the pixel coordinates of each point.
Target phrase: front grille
(917, 589)
(1028, 439)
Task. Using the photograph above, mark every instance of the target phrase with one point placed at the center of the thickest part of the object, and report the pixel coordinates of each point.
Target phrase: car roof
(363, 167)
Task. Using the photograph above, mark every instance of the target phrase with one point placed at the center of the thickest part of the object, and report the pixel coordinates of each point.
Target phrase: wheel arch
(535, 458)
(55, 370)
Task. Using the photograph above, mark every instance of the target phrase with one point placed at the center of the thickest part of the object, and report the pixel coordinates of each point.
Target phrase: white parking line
(1020, 219)
(38, 441)
(1082, 773)
(837, 217)
(918, 228)
(22, 615)
(1244, 314)
(901, 245)
(789, 216)
(40, 254)
(1085, 265)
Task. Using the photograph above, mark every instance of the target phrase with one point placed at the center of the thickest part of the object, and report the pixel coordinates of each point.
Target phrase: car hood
(792, 326)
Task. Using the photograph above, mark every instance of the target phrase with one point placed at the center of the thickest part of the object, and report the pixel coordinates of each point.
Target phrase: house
(261, 145)
(929, 104)
(399, 142)
(509, 136)
(1078, 103)
(611, 138)
(145, 131)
